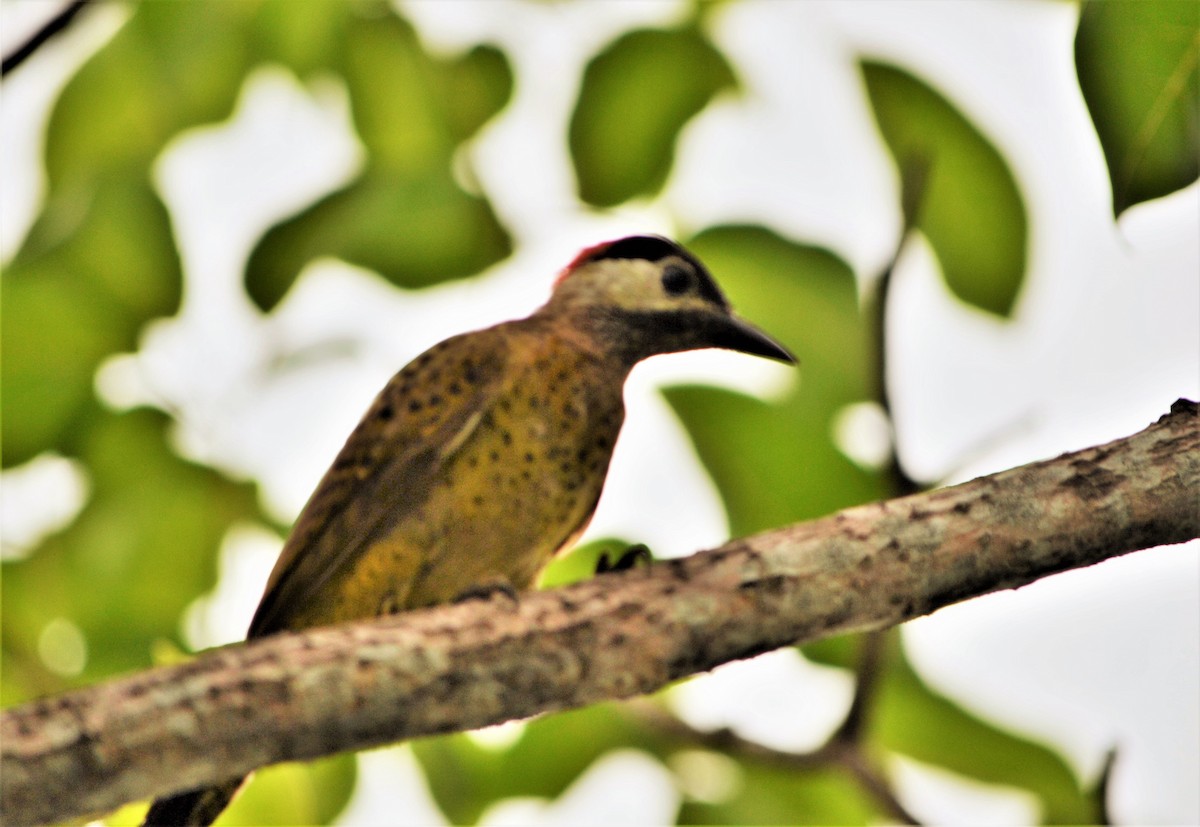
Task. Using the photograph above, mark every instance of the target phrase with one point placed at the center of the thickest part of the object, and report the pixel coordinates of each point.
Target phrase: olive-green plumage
(486, 455)
(476, 464)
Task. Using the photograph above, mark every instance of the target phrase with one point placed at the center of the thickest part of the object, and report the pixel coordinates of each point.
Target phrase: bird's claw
(639, 553)
(486, 591)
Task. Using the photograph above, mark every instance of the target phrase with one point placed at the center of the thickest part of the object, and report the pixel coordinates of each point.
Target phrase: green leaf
(143, 547)
(910, 718)
(288, 794)
(405, 217)
(414, 233)
(52, 337)
(969, 205)
(306, 37)
(93, 272)
(841, 651)
(100, 260)
(770, 795)
(284, 794)
(465, 777)
(553, 751)
(636, 97)
(775, 462)
(474, 89)
(1139, 71)
(171, 66)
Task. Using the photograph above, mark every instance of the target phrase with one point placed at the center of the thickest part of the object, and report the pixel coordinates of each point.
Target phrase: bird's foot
(486, 591)
(389, 604)
(637, 554)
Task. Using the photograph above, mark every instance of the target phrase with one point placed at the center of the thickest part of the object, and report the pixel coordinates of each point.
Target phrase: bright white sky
(1106, 335)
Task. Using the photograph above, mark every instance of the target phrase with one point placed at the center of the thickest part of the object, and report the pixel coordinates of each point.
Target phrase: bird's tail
(195, 808)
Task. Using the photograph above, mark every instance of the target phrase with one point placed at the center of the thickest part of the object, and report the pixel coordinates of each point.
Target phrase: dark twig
(53, 26)
(1103, 816)
(853, 758)
(915, 174)
(722, 740)
(836, 752)
(848, 745)
(867, 674)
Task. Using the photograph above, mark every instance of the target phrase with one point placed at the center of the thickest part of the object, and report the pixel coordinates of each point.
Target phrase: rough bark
(299, 696)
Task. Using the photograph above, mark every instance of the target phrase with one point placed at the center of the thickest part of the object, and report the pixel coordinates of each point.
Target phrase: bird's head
(645, 294)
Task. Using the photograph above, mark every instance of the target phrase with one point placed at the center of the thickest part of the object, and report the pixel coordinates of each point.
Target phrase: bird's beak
(733, 333)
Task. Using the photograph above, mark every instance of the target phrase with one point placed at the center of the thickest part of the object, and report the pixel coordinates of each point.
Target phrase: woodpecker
(486, 455)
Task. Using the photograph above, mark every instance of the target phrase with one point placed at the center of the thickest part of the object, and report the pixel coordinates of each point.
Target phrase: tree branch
(299, 696)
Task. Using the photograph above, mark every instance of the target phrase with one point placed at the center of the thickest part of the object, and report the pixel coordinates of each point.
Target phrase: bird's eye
(676, 280)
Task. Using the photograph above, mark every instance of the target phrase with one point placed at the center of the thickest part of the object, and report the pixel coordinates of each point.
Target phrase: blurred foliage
(968, 206)
(779, 464)
(552, 752)
(1139, 70)
(970, 746)
(623, 133)
(404, 216)
(290, 794)
(100, 262)
(141, 549)
(283, 795)
(82, 287)
(773, 795)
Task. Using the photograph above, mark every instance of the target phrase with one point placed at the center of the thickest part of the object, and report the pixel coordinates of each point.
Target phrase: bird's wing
(423, 415)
